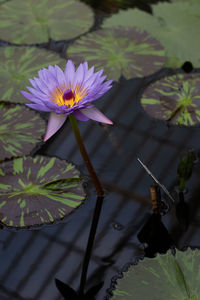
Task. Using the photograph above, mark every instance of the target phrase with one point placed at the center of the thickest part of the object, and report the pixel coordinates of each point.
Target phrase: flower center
(68, 95)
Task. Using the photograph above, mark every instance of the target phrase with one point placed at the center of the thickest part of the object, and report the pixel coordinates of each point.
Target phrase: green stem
(85, 156)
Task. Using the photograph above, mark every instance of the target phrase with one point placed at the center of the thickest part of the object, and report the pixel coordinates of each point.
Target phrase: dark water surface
(31, 260)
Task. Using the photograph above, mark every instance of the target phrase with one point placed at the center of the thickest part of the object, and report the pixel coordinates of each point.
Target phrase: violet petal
(69, 72)
(54, 124)
(60, 77)
(39, 107)
(79, 116)
(94, 114)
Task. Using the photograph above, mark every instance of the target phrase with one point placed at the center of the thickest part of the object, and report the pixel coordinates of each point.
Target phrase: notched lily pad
(18, 64)
(128, 52)
(171, 24)
(175, 99)
(20, 129)
(39, 190)
(35, 21)
(164, 277)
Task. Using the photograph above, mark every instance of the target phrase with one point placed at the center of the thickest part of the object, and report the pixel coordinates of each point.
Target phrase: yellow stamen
(78, 92)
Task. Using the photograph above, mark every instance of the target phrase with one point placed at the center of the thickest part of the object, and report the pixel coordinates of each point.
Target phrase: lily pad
(18, 64)
(175, 99)
(164, 277)
(39, 190)
(35, 21)
(171, 24)
(128, 52)
(20, 129)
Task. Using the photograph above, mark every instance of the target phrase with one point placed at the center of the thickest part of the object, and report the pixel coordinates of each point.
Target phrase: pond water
(32, 259)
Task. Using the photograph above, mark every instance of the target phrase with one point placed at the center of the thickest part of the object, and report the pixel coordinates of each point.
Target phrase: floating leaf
(171, 24)
(164, 277)
(175, 99)
(35, 21)
(38, 190)
(119, 51)
(129, 18)
(20, 129)
(17, 64)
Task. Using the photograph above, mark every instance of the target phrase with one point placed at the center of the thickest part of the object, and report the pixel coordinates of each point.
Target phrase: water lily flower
(68, 92)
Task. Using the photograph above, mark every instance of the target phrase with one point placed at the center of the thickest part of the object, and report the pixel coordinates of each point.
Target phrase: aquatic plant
(121, 51)
(20, 130)
(68, 92)
(163, 277)
(174, 99)
(40, 190)
(30, 22)
(71, 94)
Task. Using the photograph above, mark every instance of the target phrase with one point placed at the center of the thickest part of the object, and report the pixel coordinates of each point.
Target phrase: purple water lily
(68, 92)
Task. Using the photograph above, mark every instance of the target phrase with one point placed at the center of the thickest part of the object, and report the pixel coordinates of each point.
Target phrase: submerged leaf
(175, 99)
(119, 51)
(182, 212)
(185, 168)
(18, 64)
(164, 277)
(35, 21)
(20, 130)
(39, 190)
(172, 25)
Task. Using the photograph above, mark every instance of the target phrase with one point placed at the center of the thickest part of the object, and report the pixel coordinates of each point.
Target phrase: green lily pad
(39, 190)
(119, 51)
(175, 99)
(171, 24)
(17, 65)
(35, 21)
(129, 18)
(20, 130)
(164, 277)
